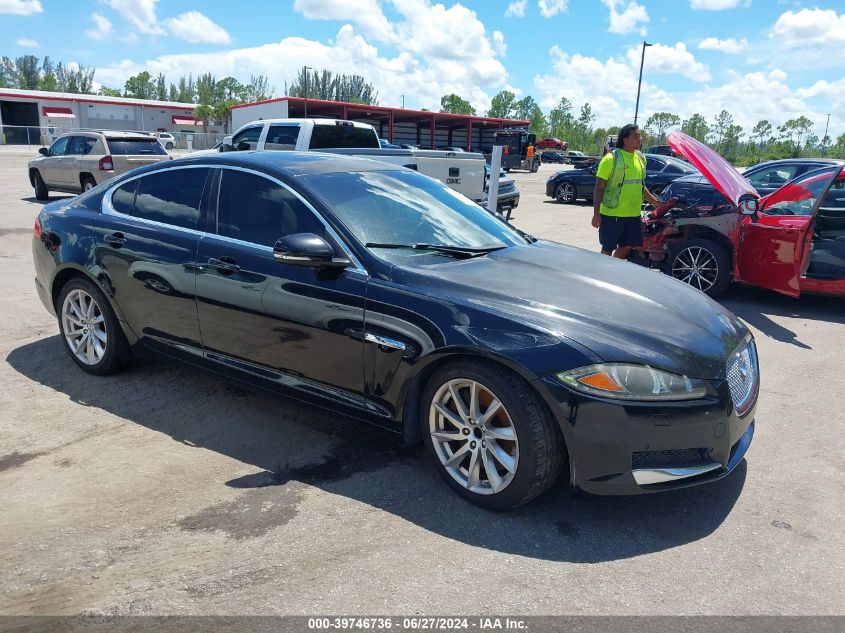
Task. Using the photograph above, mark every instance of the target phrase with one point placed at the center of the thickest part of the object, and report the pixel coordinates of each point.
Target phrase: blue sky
(759, 59)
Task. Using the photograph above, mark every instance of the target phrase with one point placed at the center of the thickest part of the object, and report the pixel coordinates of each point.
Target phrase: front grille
(743, 376)
(669, 459)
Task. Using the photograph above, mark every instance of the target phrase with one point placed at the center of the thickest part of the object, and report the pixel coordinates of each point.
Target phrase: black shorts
(615, 232)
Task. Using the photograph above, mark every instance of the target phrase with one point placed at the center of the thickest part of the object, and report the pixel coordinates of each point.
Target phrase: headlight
(632, 382)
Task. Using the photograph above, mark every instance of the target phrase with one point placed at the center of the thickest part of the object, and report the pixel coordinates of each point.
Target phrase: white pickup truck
(462, 171)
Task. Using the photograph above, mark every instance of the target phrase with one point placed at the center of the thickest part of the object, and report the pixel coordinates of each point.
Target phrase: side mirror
(44, 151)
(750, 207)
(307, 249)
(226, 145)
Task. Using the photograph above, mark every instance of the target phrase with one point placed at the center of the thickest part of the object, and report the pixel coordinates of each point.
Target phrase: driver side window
(59, 148)
(247, 139)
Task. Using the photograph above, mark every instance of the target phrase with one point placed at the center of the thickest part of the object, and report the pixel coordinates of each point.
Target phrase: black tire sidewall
(559, 187)
(86, 180)
(41, 191)
(723, 278)
(116, 348)
(507, 387)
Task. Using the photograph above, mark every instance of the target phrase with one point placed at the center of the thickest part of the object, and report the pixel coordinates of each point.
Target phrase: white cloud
(365, 14)
(20, 7)
(141, 14)
(195, 27)
(499, 43)
(516, 9)
(671, 60)
(103, 28)
(549, 8)
(729, 46)
(27, 43)
(714, 5)
(809, 27)
(625, 17)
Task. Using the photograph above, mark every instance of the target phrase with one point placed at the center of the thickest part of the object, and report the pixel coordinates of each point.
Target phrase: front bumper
(634, 448)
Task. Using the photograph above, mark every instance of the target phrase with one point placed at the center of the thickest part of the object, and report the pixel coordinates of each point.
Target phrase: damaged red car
(791, 241)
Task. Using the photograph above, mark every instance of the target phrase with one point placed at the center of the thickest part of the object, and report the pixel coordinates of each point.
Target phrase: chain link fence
(34, 137)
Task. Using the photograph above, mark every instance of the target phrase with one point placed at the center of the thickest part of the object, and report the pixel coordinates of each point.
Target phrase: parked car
(508, 198)
(166, 139)
(791, 240)
(385, 144)
(551, 143)
(354, 285)
(580, 159)
(552, 156)
(569, 186)
(79, 161)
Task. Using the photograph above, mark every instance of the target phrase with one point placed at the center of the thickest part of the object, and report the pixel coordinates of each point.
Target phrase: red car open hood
(716, 169)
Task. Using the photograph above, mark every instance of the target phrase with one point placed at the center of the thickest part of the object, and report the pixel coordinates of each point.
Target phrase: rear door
(146, 244)
(296, 326)
(282, 136)
(78, 148)
(130, 152)
(772, 249)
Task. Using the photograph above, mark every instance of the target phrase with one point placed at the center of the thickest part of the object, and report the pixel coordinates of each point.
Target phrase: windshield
(683, 166)
(404, 207)
(799, 196)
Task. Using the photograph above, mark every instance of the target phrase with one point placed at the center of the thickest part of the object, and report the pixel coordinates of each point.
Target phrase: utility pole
(403, 102)
(305, 70)
(824, 138)
(639, 83)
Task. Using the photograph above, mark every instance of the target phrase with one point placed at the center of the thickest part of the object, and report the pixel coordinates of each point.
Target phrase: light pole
(305, 70)
(403, 102)
(640, 82)
(824, 138)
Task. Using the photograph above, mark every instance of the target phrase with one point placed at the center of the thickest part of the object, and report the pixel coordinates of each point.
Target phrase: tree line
(765, 141)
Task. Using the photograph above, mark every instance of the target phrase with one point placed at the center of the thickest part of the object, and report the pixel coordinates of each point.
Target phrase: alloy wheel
(565, 193)
(473, 436)
(697, 267)
(84, 327)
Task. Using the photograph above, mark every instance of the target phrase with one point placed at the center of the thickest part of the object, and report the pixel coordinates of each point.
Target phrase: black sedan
(568, 186)
(695, 192)
(552, 156)
(385, 296)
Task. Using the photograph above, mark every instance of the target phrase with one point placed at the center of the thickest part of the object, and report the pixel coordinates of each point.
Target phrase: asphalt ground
(166, 491)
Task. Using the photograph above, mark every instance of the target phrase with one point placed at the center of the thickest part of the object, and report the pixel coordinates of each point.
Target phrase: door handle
(115, 239)
(224, 264)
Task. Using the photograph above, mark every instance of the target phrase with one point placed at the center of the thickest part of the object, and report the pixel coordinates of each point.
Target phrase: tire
(168, 146)
(101, 345)
(88, 183)
(524, 467)
(41, 192)
(565, 193)
(694, 261)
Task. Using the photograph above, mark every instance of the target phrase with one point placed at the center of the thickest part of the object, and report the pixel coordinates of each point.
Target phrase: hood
(727, 180)
(620, 311)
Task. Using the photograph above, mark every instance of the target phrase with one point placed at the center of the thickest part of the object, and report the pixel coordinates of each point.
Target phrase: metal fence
(34, 137)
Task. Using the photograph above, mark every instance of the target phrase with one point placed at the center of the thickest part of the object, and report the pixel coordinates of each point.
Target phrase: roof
(44, 95)
(322, 107)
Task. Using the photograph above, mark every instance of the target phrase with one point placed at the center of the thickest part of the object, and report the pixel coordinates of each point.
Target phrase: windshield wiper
(457, 251)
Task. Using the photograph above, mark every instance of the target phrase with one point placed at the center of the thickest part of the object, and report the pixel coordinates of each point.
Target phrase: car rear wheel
(168, 146)
(489, 435)
(565, 193)
(41, 192)
(88, 183)
(701, 263)
(89, 328)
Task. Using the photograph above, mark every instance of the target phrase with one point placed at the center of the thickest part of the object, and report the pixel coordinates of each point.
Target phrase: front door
(298, 326)
(771, 249)
(52, 168)
(147, 241)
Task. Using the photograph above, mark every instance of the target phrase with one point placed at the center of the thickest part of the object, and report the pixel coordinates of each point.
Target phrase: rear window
(135, 147)
(331, 136)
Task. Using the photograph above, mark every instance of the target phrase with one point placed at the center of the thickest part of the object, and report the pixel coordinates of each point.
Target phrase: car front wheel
(565, 193)
(701, 263)
(489, 435)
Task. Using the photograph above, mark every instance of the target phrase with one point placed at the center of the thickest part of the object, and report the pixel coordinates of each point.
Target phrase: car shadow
(294, 446)
(49, 199)
(577, 203)
(756, 306)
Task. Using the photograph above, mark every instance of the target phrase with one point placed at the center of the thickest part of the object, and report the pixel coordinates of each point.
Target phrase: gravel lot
(165, 491)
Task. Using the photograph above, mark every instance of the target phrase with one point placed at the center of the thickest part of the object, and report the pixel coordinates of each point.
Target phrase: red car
(791, 241)
(551, 143)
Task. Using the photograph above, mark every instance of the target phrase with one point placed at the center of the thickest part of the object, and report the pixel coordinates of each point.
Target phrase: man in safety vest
(618, 197)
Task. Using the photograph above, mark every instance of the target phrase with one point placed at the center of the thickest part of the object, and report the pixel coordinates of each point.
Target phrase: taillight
(36, 230)
(506, 150)
(105, 164)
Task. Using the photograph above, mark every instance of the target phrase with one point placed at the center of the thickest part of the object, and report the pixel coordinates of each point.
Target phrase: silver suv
(79, 161)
